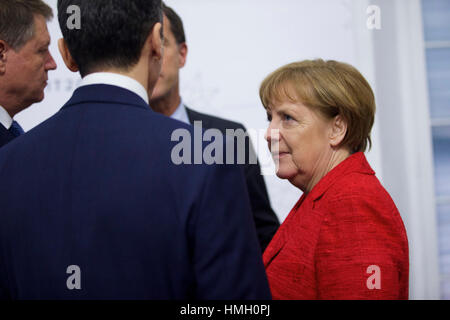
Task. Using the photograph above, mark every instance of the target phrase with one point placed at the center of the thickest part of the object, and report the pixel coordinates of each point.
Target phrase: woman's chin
(285, 174)
(295, 178)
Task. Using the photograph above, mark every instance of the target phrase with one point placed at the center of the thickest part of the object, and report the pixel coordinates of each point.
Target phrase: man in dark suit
(166, 100)
(93, 205)
(24, 60)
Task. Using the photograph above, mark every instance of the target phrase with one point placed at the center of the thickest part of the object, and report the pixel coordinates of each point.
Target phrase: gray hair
(17, 20)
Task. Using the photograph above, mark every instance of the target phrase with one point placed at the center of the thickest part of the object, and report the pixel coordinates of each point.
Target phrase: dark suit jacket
(5, 136)
(95, 187)
(265, 218)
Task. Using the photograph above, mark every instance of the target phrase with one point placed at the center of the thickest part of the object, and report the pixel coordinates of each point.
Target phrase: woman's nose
(272, 132)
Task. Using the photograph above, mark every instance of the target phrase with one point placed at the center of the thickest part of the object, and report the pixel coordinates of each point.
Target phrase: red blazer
(345, 239)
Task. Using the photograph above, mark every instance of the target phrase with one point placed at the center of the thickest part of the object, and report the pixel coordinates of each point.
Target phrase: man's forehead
(41, 35)
(41, 39)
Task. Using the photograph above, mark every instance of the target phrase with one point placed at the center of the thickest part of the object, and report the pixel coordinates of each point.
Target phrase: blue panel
(445, 289)
(436, 18)
(438, 64)
(443, 216)
(443, 219)
(441, 148)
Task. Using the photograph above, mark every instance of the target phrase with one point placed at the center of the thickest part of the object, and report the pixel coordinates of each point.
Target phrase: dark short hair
(112, 33)
(176, 24)
(17, 20)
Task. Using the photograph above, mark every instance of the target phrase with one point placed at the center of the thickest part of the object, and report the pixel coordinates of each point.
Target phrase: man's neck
(137, 73)
(168, 104)
(10, 103)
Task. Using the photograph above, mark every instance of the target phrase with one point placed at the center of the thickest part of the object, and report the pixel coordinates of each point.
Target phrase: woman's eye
(287, 117)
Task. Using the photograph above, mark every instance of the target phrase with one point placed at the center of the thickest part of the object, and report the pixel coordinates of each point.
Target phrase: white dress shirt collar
(181, 113)
(5, 118)
(118, 80)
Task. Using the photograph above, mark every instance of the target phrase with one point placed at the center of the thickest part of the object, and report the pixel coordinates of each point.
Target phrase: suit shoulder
(213, 122)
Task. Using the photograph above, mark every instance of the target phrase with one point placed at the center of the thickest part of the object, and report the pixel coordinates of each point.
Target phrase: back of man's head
(112, 32)
(17, 20)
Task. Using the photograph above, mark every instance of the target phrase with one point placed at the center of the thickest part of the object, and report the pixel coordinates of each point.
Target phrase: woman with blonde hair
(344, 239)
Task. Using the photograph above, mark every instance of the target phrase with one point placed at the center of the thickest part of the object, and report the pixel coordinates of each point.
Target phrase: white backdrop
(233, 45)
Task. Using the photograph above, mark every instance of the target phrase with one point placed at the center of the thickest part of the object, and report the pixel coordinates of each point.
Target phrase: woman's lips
(280, 155)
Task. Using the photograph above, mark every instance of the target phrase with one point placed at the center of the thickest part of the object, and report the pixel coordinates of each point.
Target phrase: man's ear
(3, 56)
(182, 51)
(67, 57)
(156, 45)
(338, 131)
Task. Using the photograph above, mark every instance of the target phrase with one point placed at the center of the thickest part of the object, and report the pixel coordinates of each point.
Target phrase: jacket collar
(191, 115)
(118, 80)
(5, 136)
(5, 118)
(104, 93)
(354, 163)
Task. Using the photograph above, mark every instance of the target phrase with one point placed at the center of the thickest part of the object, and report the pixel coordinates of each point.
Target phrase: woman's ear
(338, 131)
(67, 57)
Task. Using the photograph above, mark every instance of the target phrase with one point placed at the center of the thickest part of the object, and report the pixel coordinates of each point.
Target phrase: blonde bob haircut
(330, 88)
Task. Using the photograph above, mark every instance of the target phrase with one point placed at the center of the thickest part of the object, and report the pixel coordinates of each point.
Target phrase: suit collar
(103, 93)
(197, 116)
(274, 248)
(5, 136)
(354, 163)
(118, 80)
(5, 118)
(190, 114)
